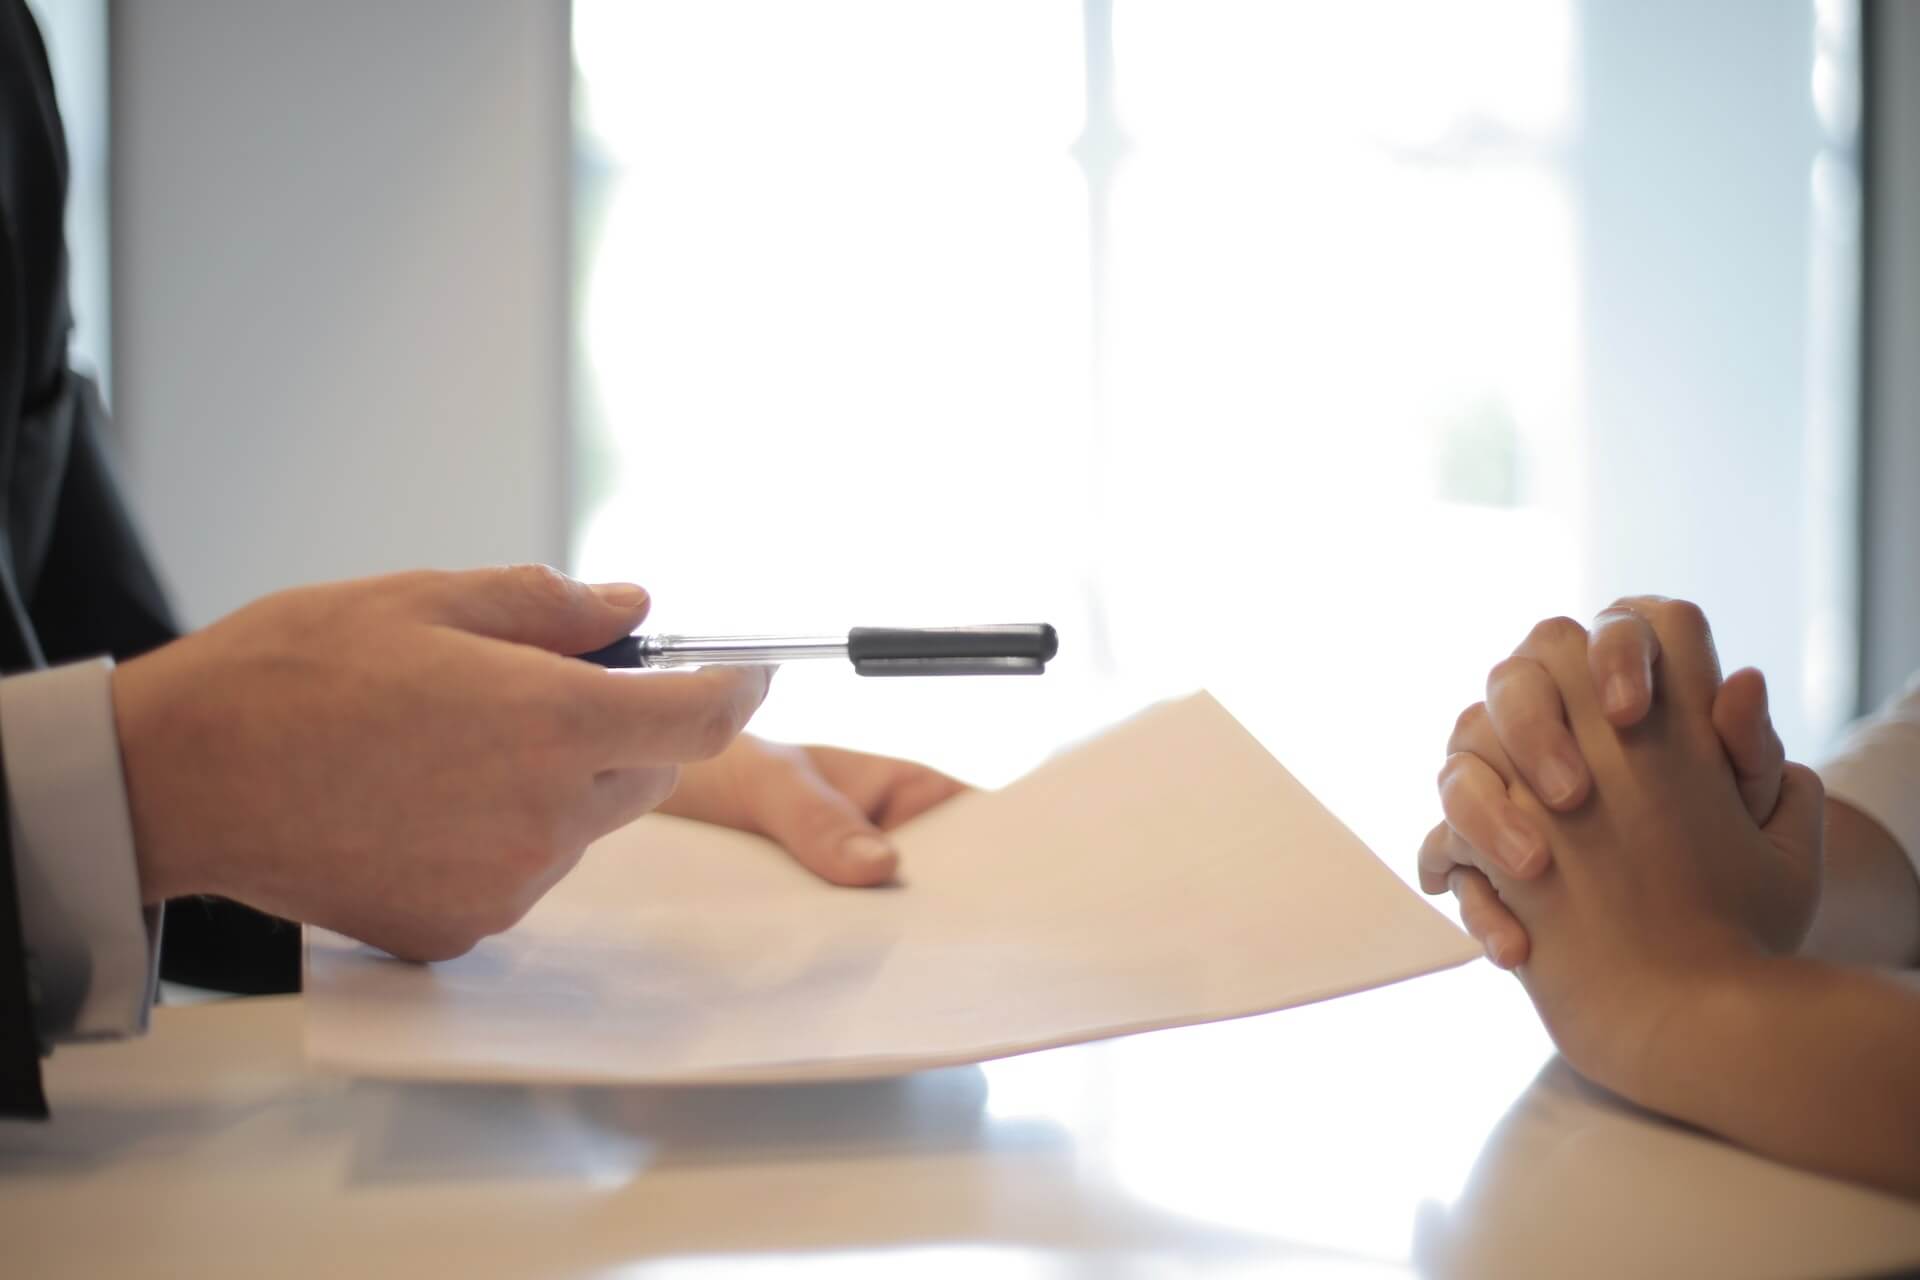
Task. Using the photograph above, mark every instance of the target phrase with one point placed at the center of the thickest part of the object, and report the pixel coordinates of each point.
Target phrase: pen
(874, 651)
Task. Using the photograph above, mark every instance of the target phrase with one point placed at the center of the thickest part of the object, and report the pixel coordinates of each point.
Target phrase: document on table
(1167, 872)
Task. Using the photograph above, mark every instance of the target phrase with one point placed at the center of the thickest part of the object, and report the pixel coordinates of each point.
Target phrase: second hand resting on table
(1639, 851)
(826, 807)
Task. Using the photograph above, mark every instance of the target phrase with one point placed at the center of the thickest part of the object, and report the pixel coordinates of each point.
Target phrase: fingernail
(1494, 951)
(621, 595)
(1620, 694)
(1517, 850)
(867, 851)
(1558, 780)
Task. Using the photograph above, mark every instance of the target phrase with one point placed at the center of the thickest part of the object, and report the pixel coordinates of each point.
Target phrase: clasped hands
(1622, 829)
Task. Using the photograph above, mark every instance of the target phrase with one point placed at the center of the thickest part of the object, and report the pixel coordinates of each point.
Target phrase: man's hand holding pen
(410, 760)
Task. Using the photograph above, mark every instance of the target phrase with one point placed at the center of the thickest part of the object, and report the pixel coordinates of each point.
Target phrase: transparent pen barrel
(738, 651)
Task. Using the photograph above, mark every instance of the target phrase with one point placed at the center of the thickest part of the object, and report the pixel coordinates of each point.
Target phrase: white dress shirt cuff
(92, 951)
(1876, 770)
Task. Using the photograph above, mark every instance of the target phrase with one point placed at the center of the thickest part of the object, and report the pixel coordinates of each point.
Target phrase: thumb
(1745, 726)
(823, 829)
(537, 605)
(1797, 820)
(1785, 903)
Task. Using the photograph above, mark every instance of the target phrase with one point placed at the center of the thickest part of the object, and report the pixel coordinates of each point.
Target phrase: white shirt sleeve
(92, 951)
(1876, 769)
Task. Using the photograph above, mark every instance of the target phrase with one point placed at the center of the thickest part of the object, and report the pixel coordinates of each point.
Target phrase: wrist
(166, 863)
(717, 789)
(1702, 1024)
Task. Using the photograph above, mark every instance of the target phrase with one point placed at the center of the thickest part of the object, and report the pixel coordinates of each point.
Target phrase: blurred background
(1305, 352)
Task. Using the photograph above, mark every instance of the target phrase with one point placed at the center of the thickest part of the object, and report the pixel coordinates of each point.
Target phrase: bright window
(1306, 352)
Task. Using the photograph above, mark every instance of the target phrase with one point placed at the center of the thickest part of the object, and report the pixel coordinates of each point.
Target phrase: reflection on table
(1413, 1130)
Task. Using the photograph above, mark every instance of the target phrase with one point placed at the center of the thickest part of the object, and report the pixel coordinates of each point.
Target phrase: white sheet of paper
(1166, 873)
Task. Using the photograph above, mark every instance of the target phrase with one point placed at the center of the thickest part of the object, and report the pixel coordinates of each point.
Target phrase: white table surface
(1423, 1129)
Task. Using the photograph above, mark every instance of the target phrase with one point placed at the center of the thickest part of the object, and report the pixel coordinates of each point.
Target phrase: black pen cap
(1021, 649)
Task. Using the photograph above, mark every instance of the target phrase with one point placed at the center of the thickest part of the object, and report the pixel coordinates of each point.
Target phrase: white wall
(341, 272)
(1696, 214)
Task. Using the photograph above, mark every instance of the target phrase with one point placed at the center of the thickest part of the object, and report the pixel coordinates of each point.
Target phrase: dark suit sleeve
(96, 591)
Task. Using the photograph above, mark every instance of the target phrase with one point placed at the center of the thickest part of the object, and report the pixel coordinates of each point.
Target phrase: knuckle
(1614, 619)
(542, 583)
(1467, 724)
(1509, 667)
(1457, 800)
(1514, 674)
(1629, 614)
(1684, 615)
(1437, 854)
(1555, 633)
